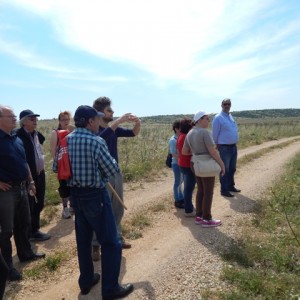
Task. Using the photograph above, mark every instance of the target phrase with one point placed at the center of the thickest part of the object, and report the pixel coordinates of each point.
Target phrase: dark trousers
(3, 276)
(14, 219)
(37, 205)
(93, 213)
(228, 155)
(204, 196)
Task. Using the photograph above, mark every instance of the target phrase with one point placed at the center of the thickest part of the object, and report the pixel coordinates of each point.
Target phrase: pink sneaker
(211, 223)
(198, 220)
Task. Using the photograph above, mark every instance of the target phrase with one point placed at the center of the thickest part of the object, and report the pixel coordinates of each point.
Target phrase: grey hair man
(33, 141)
(15, 180)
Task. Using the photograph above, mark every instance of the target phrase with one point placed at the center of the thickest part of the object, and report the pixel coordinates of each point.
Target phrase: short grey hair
(2, 107)
(21, 122)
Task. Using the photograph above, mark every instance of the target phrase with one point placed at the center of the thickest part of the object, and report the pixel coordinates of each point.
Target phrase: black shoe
(34, 256)
(227, 194)
(121, 292)
(40, 236)
(96, 279)
(14, 275)
(179, 204)
(125, 245)
(235, 190)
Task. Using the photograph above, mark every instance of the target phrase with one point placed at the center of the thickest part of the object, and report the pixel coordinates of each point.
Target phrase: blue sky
(153, 57)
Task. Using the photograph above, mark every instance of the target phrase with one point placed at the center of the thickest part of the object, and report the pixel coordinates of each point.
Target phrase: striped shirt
(90, 160)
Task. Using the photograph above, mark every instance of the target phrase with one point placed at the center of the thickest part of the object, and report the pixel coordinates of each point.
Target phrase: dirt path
(175, 259)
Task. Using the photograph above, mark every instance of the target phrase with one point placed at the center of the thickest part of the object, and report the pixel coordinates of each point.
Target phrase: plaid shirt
(90, 160)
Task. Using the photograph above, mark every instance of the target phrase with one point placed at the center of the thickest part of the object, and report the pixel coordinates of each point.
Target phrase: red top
(183, 160)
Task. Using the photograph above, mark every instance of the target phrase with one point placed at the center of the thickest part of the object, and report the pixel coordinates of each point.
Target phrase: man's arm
(127, 118)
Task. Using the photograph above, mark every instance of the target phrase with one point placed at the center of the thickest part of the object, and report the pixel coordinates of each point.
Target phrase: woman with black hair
(184, 162)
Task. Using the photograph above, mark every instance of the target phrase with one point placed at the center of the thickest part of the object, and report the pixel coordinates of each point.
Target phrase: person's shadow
(145, 287)
(216, 241)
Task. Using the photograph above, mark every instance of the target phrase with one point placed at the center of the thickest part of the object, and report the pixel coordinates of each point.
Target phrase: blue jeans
(93, 213)
(178, 179)
(229, 156)
(189, 182)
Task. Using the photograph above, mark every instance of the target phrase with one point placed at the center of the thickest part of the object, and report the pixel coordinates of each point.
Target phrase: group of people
(191, 138)
(93, 154)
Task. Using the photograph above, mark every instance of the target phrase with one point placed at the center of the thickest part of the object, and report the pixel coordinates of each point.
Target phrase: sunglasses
(227, 104)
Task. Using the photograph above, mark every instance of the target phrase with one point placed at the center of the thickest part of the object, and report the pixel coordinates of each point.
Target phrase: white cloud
(201, 44)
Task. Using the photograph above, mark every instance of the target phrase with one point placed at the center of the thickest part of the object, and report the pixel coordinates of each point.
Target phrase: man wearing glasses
(15, 181)
(33, 141)
(225, 135)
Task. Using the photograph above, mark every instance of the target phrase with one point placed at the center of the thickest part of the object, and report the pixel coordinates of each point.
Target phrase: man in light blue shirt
(225, 135)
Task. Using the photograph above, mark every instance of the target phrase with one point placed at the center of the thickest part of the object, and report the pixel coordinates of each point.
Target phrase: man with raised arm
(110, 130)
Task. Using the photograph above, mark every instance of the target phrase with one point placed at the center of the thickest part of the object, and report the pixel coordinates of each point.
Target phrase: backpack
(61, 161)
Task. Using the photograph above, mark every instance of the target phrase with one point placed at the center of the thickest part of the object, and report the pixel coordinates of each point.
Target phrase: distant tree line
(249, 114)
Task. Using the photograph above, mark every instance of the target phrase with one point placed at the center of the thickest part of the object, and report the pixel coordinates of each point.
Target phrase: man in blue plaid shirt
(91, 166)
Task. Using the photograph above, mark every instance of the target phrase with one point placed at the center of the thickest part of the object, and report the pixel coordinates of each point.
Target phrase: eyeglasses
(64, 120)
(10, 117)
(227, 104)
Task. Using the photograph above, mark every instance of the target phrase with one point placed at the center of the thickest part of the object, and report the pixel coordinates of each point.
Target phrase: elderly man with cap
(225, 135)
(15, 180)
(33, 140)
(91, 166)
(199, 142)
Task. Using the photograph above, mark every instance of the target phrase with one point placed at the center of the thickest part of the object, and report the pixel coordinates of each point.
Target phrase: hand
(4, 186)
(135, 119)
(125, 118)
(222, 172)
(31, 189)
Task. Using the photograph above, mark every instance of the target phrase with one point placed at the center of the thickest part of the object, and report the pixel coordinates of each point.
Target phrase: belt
(228, 145)
(18, 183)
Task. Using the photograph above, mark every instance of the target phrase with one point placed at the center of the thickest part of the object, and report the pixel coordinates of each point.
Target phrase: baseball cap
(86, 112)
(27, 113)
(199, 115)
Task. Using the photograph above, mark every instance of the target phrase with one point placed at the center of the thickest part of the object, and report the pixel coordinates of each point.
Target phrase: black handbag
(169, 160)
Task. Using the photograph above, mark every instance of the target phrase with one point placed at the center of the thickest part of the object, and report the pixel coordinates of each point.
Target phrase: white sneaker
(66, 213)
